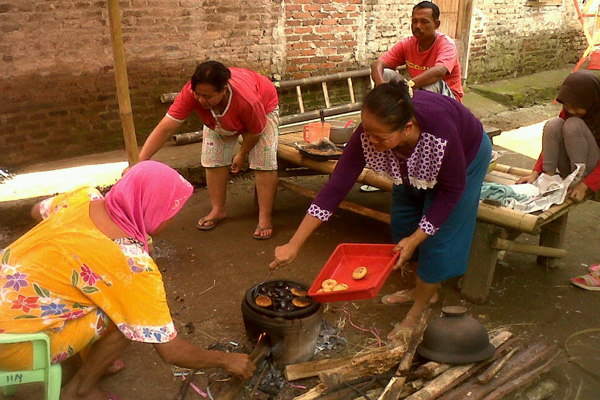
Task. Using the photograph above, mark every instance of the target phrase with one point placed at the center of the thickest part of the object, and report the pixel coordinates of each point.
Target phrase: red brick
(309, 67)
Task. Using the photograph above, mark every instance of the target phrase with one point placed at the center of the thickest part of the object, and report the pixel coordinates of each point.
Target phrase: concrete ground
(206, 273)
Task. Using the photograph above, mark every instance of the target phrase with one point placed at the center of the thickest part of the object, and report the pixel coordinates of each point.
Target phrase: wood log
(517, 364)
(445, 381)
(394, 388)
(522, 379)
(496, 366)
(372, 363)
(430, 370)
(309, 369)
(258, 354)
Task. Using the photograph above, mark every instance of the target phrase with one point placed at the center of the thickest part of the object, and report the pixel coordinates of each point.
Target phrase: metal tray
(319, 152)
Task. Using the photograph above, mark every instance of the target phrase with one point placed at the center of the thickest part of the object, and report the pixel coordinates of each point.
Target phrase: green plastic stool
(42, 370)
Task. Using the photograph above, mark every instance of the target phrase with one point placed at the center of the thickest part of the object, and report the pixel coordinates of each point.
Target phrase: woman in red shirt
(230, 102)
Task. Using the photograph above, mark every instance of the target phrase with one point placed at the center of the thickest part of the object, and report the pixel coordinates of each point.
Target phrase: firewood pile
(391, 373)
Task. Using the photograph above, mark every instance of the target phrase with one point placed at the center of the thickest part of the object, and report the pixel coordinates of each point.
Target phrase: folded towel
(498, 191)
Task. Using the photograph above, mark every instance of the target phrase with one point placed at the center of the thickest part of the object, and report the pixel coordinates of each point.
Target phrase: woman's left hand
(578, 191)
(406, 247)
(238, 163)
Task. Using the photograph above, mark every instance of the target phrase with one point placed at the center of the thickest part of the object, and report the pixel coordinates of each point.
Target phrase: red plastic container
(379, 260)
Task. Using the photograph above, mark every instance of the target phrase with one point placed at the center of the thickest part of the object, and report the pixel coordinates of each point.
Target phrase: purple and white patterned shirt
(449, 141)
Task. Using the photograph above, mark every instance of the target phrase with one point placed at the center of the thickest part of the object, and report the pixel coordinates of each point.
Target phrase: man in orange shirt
(431, 57)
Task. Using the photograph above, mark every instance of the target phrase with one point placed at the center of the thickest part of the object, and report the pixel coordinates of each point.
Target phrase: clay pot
(456, 338)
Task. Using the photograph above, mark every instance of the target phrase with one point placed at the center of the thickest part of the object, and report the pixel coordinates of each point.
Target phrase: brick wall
(515, 37)
(57, 77)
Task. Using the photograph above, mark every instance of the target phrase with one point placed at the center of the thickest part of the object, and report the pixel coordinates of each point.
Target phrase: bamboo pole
(512, 170)
(116, 35)
(507, 218)
(368, 176)
(509, 245)
(185, 138)
(299, 97)
(344, 205)
(326, 94)
(351, 91)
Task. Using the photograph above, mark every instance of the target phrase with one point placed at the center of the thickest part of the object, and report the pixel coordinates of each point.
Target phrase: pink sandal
(589, 281)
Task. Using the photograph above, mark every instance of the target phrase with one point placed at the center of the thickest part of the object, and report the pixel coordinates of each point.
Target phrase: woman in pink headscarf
(84, 277)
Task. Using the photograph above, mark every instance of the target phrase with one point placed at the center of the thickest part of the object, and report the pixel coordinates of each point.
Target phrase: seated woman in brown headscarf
(574, 136)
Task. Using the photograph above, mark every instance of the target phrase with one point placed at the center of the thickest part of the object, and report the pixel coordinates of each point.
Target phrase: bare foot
(402, 331)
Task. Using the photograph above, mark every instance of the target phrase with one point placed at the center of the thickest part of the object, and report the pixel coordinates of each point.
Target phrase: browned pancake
(264, 301)
(301, 302)
(298, 292)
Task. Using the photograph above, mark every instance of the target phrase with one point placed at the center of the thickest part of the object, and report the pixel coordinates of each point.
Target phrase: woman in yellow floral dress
(84, 277)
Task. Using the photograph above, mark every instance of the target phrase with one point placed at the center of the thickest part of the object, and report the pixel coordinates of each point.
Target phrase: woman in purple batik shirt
(437, 154)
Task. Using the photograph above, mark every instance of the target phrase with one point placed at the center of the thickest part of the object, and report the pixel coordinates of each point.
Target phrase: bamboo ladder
(329, 110)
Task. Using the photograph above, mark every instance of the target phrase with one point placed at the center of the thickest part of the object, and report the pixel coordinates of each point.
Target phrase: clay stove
(293, 330)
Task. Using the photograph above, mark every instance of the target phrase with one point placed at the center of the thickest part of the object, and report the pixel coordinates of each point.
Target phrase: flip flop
(369, 188)
(589, 281)
(405, 297)
(594, 268)
(260, 230)
(201, 223)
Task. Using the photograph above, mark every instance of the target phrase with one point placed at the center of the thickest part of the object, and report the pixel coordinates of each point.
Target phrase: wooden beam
(463, 35)
(344, 205)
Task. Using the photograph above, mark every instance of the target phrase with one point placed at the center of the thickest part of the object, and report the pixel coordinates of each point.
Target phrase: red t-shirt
(592, 180)
(443, 52)
(253, 96)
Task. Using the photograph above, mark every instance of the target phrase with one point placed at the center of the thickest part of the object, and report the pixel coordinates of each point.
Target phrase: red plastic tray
(379, 260)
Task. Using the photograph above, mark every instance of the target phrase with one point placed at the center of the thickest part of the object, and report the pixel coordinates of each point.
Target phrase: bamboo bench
(496, 228)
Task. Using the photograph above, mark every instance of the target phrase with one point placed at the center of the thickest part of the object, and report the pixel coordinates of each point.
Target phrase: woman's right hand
(529, 178)
(240, 365)
(284, 255)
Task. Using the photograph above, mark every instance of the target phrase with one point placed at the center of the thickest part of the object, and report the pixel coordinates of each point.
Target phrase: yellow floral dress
(66, 278)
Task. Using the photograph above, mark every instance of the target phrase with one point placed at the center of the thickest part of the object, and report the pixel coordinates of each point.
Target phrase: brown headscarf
(582, 90)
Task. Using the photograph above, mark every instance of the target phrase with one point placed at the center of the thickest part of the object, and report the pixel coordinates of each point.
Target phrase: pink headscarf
(146, 196)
